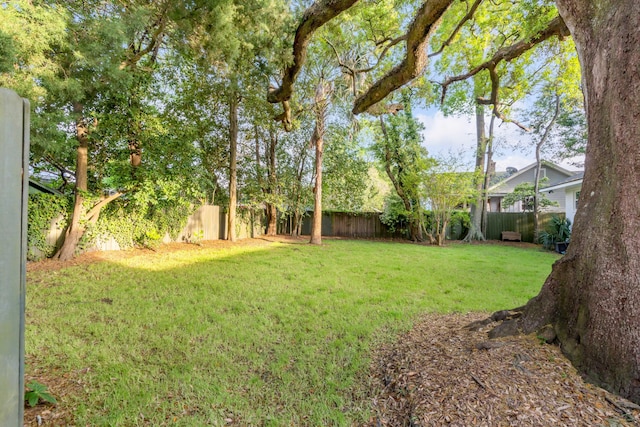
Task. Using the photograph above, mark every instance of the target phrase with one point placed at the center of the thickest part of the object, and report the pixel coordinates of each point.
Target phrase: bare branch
(421, 28)
(495, 90)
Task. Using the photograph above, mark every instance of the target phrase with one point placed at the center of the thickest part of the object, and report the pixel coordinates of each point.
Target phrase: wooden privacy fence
(521, 222)
(360, 225)
(367, 225)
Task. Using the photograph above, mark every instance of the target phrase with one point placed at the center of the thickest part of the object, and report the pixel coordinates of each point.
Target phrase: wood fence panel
(521, 222)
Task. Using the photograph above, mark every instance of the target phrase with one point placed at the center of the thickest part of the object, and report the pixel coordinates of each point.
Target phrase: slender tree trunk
(320, 106)
(592, 297)
(489, 171)
(475, 229)
(233, 151)
(536, 184)
(76, 229)
(272, 212)
(316, 227)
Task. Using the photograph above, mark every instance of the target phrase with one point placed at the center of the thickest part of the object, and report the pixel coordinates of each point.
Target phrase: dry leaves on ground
(440, 373)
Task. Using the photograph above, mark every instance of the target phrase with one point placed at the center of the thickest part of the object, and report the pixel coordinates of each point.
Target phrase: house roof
(495, 189)
(41, 188)
(575, 179)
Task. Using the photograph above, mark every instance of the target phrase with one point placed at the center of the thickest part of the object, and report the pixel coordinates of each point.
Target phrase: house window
(543, 173)
(575, 201)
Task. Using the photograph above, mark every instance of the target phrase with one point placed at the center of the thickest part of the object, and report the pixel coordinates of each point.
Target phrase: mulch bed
(441, 373)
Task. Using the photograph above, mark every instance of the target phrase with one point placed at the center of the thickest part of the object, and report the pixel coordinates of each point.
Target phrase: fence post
(14, 187)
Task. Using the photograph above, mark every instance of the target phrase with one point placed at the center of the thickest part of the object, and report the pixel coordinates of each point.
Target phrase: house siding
(570, 197)
(553, 175)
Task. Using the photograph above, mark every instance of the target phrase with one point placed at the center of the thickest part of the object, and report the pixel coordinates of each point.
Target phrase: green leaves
(37, 392)
(524, 193)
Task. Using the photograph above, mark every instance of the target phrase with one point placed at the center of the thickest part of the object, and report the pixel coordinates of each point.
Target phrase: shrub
(42, 210)
(559, 231)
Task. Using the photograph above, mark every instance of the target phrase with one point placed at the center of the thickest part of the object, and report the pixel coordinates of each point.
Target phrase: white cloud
(447, 134)
(457, 134)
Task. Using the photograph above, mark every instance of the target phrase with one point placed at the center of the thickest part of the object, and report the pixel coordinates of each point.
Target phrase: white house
(554, 174)
(569, 189)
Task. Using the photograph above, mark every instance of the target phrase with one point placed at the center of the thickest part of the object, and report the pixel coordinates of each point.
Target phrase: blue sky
(457, 134)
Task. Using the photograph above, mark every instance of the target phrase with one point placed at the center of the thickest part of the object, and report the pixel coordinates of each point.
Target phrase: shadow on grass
(272, 334)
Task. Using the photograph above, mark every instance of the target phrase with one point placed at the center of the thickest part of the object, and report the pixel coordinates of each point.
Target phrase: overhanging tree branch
(556, 27)
(463, 21)
(313, 18)
(415, 60)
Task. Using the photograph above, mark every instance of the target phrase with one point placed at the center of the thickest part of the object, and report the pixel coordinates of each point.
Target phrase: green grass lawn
(278, 334)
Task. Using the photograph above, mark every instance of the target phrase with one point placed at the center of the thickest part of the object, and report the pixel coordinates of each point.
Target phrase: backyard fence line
(208, 222)
(368, 225)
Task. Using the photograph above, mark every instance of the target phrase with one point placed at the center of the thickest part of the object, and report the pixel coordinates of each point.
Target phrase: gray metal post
(14, 186)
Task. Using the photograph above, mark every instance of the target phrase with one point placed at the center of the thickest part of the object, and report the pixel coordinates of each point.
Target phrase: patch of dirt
(59, 384)
(97, 256)
(441, 373)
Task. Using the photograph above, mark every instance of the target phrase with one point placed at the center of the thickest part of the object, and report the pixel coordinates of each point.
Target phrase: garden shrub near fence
(46, 219)
(121, 227)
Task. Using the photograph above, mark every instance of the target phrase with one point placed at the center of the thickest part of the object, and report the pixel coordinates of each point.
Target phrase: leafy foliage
(43, 209)
(144, 217)
(446, 189)
(399, 149)
(559, 231)
(395, 216)
(524, 193)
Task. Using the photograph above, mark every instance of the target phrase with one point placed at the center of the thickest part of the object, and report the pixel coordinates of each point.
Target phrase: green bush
(559, 231)
(395, 216)
(42, 210)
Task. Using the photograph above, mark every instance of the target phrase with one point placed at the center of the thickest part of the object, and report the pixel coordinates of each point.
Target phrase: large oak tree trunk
(592, 297)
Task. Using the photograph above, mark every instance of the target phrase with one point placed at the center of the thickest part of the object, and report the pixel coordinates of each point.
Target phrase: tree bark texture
(272, 213)
(320, 107)
(424, 24)
(316, 227)
(233, 178)
(475, 228)
(318, 14)
(490, 169)
(76, 228)
(592, 296)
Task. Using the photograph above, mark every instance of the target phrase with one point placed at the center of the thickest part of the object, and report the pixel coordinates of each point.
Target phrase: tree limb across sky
(424, 23)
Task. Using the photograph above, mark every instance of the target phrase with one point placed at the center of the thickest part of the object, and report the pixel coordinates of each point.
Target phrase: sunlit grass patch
(270, 335)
